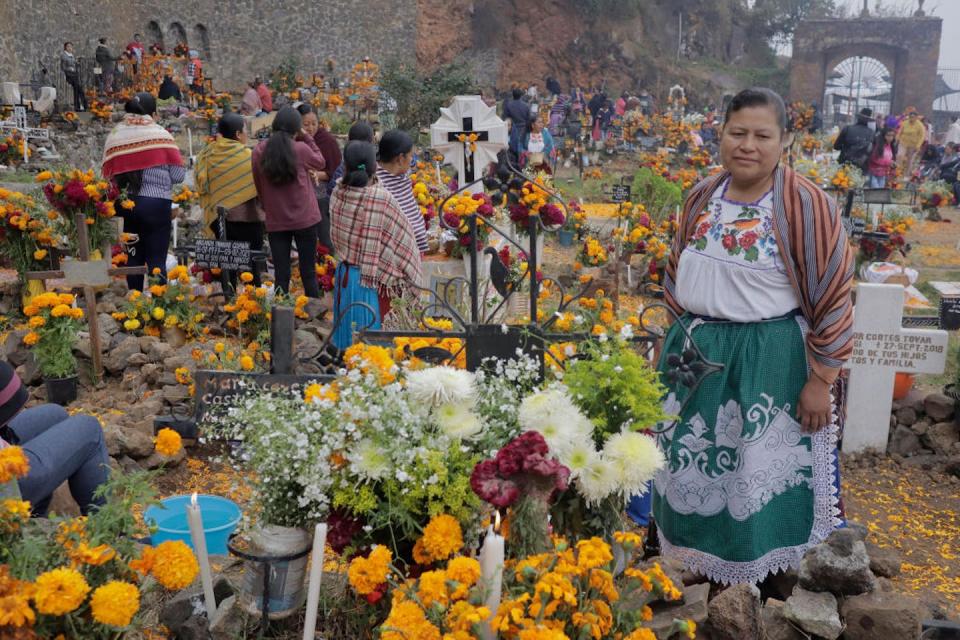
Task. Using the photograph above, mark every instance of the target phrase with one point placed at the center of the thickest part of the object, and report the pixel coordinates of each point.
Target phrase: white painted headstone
(19, 123)
(881, 348)
(450, 135)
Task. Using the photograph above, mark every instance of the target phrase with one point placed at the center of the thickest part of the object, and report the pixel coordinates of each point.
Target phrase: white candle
(176, 224)
(436, 166)
(190, 141)
(195, 521)
(313, 589)
(491, 573)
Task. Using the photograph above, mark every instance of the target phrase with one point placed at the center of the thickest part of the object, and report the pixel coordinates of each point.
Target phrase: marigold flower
(39, 254)
(168, 442)
(31, 310)
(366, 574)
(60, 591)
(131, 325)
(442, 537)
(93, 556)
(433, 588)
(36, 322)
(219, 347)
(175, 566)
(246, 277)
(31, 339)
(128, 204)
(115, 603)
(43, 176)
(465, 572)
(246, 363)
(15, 611)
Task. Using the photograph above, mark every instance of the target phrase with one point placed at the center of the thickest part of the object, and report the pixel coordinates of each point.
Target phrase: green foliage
(283, 78)
(778, 19)
(659, 195)
(615, 386)
(419, 95)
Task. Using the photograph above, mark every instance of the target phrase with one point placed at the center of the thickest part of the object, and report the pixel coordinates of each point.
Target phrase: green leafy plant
(419, 95)
(54, 322)
(283, 78)
(659, 195)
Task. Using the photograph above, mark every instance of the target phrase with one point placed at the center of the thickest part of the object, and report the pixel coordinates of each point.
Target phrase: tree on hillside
(419, 95)
(776, 20)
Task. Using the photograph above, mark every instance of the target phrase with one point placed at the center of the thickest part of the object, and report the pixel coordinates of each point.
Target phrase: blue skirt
(348, 290)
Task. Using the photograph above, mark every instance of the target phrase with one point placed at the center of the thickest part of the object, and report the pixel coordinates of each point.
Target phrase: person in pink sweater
(281, 173)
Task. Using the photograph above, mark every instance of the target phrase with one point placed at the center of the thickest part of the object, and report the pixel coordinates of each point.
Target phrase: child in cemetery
(760, 272)
(281, 173)
(143, 160)
(59, 447)
(377, 248)
(881, 164)
(330, 149)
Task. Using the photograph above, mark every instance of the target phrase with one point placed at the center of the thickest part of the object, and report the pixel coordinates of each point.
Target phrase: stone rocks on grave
(230, 621)
(14, 351)
(839, 565)
(903, 441)
(953, 466)
(923, 460)
(775, 624)
(920, 427)
(134, 442)
(938, 406)
(155, 460)
(82, 348)
(780, 585)
(188, 604)
(694, 607)
(175, 393)
(128, 464)
(884, 561)
(62, 502)
(151, 373)
(861, 531)
(118, 357)
(913, 400)
(137, 360)
(941, 436)
(158, 351)
(108, 326)
(735, 613)
(906, 416)
(146, 410)
(881, 614)
(815, 613)
(29, 372)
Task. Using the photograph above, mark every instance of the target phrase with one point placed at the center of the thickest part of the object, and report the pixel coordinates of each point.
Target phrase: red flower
(486, 483)
(748, 239)
(701, 230)
(485, 210)
(74, 193)
(505, 257)
(451, 220)
(342, 527)
(552, 215)
(729, 241)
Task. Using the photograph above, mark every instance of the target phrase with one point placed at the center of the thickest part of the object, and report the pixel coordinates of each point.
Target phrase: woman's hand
(814, 410)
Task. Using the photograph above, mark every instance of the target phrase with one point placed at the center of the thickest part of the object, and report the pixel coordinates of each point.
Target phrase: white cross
(881, 348)
(468, 115)
(19, 123)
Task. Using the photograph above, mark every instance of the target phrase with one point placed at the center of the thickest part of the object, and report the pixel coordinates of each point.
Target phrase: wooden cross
(19, 123)
(88, 274)
(881, 348)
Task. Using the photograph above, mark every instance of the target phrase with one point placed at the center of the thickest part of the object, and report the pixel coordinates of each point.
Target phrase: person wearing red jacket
(266, 98)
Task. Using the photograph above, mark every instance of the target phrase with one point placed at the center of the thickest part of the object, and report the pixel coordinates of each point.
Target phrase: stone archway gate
(909, 47)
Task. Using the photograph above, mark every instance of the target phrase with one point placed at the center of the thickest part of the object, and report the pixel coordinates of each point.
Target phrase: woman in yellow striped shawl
(224, 177)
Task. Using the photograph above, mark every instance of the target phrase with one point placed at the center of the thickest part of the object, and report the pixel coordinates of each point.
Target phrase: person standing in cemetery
(59, 447)
(281, 172)
(106, 62)
(135, 49)
(953, 131)
(250, 105)
(856, 140)
(361, 131)
(393, 172)
(143, 160)
(760, 272)
(169, 90)
(377, 251)
(882, 158)
(911, 138)
(331, 155)
(518, 113)
(538, 148)
(68, 64)
(195, 74)
(266, 97)
(224, 177)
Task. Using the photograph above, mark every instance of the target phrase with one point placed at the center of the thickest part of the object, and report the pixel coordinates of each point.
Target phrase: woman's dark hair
(517, 93)
(360, 131)
(279, 159)
(394, 143)
(229, 125)
(66, 44)
(880, 141)
(304, 108)
(759, 97)
(142, 104)
(359, 163)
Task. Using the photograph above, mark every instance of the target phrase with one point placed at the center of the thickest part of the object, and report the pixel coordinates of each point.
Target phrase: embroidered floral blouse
(732, 268)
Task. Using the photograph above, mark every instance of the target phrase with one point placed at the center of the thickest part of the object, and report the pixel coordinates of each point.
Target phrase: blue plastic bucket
(169, 519)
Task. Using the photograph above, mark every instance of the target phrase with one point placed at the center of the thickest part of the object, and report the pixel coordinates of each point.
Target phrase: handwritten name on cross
(19, 123)
(881, 348)
(452, 135)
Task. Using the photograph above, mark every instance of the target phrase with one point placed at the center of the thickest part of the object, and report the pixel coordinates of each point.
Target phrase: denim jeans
(878, 182)
(60, 448)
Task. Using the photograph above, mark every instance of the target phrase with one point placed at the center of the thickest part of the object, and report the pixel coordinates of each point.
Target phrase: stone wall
(908, 47)
(237, 39)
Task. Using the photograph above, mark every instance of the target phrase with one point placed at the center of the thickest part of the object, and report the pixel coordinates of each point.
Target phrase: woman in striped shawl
(760, 271)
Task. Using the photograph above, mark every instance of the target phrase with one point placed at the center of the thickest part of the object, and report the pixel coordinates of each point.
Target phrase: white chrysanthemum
(579, 458)
(441, 385)
(369, 460)
(636, 458)
(598, 480)
(549, 405)
(458, 421)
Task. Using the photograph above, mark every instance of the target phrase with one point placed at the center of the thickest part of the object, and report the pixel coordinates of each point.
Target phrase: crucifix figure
(19, 123)
(469, 134)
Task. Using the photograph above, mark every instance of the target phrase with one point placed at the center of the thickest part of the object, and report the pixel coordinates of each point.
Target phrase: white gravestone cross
(450, 135)
(19, 123)
(881, 348)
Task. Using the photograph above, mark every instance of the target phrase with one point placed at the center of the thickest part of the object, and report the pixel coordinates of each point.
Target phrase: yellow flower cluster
(115, 603)
(13, 464)
(462, 205)
(59, 591)
(15, 610)
(13, 515)
(172, 563)
(184, 195)
(404, 348)
(592, 253)
(367, 574)
(250, 312)
(317, 392)
(169, 305)
(51, 310)
(168, 442)
(371, 359)
(442, 537)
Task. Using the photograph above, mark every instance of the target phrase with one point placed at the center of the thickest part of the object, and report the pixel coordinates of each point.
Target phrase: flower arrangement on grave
(872, 249)
(533, 201)
(72, 192)
(170, 305)
(456, 212)
(26, 234)
(428, 190)
(181, 50)
(223, 356)
(811, 144)
(84, 577)
(592, 254)
(847, 177)
(101, 111)
(935, 194)
(326, 267)
(11, 149)
(518, 269)
(54, 321)
(185, 196)
(802, 115)
(335, 102)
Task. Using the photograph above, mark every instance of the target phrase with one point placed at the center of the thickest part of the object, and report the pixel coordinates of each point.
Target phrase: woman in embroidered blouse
(760, 270)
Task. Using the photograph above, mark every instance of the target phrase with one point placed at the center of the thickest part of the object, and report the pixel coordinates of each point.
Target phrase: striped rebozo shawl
(815, 251)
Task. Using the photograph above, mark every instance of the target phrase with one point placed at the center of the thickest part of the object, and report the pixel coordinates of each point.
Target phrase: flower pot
(565, 237)
(902, 384)
(61, 391)
(279, 553)
(176, 337)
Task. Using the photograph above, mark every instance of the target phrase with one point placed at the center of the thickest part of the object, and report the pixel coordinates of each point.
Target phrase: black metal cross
(469, 170)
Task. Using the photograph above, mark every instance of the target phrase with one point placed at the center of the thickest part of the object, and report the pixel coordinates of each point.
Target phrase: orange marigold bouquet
(26, 233)
(54, 321)
(170, 304)
(72, 192)
(83, 577)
